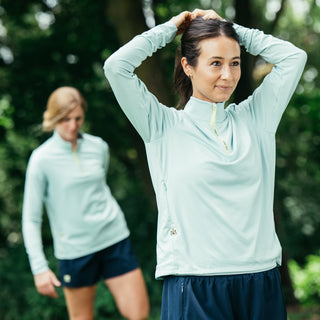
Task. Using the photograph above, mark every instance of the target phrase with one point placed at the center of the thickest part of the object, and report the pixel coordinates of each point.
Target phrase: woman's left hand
(183, 19)
(205, 14)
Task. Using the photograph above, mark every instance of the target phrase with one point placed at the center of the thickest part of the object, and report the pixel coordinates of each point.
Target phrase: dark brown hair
(199, 29)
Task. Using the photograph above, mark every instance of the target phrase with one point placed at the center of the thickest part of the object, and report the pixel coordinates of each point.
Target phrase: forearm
(272, 49)
(131, 55)
(33, 243)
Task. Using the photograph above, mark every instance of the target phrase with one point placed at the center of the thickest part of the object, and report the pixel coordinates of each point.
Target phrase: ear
(186, 67)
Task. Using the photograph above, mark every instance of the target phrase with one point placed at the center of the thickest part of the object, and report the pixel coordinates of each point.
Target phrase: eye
(216, 63)
(66, 119)
(235, 63)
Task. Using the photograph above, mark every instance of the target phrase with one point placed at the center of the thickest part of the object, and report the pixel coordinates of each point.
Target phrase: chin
(219, 100)
(222, 99)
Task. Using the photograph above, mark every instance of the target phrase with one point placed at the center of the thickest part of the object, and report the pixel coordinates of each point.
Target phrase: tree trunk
(245, 85)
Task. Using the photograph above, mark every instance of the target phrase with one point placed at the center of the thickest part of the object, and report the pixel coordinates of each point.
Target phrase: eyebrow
(221, 58)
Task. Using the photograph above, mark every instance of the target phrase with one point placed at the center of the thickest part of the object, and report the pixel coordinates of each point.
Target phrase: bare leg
(130, 293)
(80, 302)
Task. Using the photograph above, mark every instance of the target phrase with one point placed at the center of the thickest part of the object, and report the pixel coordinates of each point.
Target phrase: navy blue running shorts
(255, 296)
(111, 262)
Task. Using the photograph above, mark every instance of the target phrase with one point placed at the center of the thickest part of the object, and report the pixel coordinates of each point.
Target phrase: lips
(224, 88)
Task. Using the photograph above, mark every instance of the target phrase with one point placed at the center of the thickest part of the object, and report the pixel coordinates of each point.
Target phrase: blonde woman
(67, 173)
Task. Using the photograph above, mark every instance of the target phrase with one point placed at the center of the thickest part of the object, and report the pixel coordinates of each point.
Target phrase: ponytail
(182, 82)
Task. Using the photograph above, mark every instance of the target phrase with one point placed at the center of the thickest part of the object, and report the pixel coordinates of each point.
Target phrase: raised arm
(270, 99)
(143, 109)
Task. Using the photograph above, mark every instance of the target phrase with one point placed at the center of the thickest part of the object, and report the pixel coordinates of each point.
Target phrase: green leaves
(306, 280)
(6, 112)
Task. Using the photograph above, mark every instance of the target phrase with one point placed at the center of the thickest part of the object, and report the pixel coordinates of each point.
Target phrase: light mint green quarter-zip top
(214, 181)
(84, 216)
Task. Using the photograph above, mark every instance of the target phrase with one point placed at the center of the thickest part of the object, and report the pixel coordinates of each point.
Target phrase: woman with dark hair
(91, 239)
(212, 167)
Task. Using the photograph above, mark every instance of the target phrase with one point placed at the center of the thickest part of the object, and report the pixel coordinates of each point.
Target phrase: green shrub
(306, 280)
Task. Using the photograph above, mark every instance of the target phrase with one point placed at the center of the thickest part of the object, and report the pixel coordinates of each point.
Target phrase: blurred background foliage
(45, 44)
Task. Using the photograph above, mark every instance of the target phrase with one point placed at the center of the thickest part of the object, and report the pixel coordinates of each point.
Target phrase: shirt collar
(66, 144)
(202, 110)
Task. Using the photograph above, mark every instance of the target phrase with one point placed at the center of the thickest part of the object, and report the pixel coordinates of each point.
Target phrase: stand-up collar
(201, 110)
(66, 144)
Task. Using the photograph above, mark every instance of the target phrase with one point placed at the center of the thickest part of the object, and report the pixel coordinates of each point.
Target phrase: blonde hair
(61, 102)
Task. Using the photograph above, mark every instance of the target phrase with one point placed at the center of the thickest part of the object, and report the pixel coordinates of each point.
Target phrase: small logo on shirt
(67, 278)
(173, 232)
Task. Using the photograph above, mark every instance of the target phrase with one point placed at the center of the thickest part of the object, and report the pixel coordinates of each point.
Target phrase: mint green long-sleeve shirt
(84, 216)
(214, 188)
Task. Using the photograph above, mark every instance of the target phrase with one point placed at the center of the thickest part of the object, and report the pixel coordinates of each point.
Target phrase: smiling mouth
(224, 88)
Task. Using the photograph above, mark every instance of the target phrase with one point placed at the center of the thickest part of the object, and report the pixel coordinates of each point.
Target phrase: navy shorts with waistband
(254, 296)
(110, 262)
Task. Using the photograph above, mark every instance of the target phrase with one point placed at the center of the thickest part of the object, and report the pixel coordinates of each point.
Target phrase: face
(68, 128)
(217, 72)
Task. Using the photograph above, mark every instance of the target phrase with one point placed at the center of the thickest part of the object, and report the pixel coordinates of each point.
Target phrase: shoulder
(242, 109)
(41, 157)
(43, 150)
(95, 141)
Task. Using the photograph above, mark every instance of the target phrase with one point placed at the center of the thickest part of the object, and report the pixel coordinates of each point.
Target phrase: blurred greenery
(306, 280)
(45, 44)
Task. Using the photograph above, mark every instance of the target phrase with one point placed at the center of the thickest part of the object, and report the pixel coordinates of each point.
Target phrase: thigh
(130, 293)
(80, 302)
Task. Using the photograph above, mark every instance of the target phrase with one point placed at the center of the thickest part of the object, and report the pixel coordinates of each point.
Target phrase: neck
(74, 145)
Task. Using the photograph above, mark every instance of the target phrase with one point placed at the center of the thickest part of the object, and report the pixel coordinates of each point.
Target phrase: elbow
(298, 60)
(108, 67)
(302, 56)
(114, 68)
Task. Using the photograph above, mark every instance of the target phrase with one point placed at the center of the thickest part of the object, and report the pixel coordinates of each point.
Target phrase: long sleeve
(141, 107)
(35, 185)
(270, 99)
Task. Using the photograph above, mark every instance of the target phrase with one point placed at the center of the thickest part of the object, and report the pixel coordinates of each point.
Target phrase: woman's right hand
(46, 282)
(181, 21)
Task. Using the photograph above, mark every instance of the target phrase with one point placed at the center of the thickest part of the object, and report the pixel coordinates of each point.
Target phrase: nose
(226, 72)
(73, 124)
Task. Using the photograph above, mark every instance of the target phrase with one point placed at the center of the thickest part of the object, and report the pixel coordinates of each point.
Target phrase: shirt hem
(161, 274)
(96, 248)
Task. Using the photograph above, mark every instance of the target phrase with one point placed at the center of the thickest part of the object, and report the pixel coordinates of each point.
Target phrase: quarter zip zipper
(213, 125)
(78, 162)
